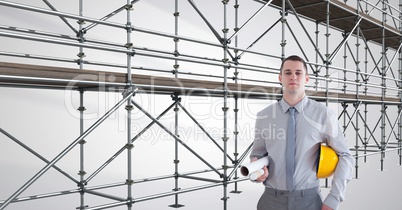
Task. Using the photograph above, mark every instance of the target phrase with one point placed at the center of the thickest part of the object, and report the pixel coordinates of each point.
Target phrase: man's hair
(294, 58)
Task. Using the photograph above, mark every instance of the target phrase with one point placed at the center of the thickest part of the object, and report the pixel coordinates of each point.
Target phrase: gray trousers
(309, 199)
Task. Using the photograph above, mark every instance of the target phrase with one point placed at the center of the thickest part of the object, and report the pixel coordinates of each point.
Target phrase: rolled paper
(253, 176)
(249, 168)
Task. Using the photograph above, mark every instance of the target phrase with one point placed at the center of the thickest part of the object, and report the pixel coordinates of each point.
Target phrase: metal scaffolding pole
(176, 160)
(176, 98)
(236, 99)
(315, 69)
(366, 52)
(383, 92)
(82, 172)
(225, 107)
(80, 35)
(129, 108)
(283, 21)
(327, 62)
(355, 105)
(81, 109)
(400, 91)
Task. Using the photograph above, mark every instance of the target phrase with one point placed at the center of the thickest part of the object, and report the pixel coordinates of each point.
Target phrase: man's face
(293, 77)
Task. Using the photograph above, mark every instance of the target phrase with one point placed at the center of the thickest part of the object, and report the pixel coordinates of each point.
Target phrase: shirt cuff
(331, 201)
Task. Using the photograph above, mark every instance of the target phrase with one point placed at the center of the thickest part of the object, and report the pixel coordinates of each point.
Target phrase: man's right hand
(265, 175)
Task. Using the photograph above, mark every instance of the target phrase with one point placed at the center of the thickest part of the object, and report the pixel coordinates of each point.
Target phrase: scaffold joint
(129, 45)
(129, 7)
(176, 14)
(176, 189)
(225, 1)
(132, 53)
(176, 161)
(130, 202)
(175, 97)
(82, 173)
(82, 142)
(225, 139)
(81, 22)
(176, 53)
(129, 181)
(286, 14)
(129, 107)
(225, 198)
(130, 89)
(81, 55)
(129, 146)
(81, 108)
(80, 35)
(82, 185)
(225, 42)
(82, 207)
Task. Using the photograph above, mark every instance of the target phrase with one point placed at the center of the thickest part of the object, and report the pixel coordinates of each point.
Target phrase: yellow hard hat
(327, 161)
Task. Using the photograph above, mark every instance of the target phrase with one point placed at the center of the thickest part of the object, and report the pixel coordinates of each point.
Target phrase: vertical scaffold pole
(345, 58)
(129, 108)
(81, 109)
(383, 86)
(344, 105)
(400, 87)
(236, 100)
(176, 160)
(316, 70)
(82, 172)
(176, 66)
(327, 62)
(80, 36)
(365, 105)
(357, 81)
(283, 21)
(225, 107)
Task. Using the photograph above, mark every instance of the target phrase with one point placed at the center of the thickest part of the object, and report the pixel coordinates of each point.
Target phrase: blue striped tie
(290, 149)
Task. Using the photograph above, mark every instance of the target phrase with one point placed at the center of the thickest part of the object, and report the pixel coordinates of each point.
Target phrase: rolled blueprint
(254, 169)
(253, 176)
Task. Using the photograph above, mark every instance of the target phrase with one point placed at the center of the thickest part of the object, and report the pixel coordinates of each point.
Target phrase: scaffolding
(357, 70)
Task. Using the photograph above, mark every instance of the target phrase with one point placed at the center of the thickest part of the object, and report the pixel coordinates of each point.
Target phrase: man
(290, 178)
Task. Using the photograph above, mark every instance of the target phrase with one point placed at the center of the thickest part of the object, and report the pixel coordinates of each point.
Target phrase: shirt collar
(299, 106)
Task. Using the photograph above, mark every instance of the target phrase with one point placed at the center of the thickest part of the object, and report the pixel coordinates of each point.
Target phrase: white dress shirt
(315, 124)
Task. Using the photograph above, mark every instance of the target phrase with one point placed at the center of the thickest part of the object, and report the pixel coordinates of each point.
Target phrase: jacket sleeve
(259, 149)
(343, 172)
